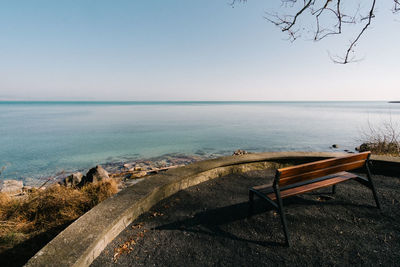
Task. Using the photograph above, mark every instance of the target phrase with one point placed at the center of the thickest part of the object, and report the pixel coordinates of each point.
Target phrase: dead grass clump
(4, 198)
(43, 210)
(381, 139)
(97, 192)
(53, 206)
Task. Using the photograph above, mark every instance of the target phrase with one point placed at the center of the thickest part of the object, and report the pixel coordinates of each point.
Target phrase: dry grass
(41, 210)
(383, 139)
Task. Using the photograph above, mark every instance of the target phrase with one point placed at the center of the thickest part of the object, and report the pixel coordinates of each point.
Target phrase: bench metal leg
(372, 187)
(333, 189)
(283, 217)
(251, 203)
(375, 196)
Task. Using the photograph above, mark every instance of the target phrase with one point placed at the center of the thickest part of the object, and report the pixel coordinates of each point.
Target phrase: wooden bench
(303, 178)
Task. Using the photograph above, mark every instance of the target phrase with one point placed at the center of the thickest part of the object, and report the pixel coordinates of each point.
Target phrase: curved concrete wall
(81, 242)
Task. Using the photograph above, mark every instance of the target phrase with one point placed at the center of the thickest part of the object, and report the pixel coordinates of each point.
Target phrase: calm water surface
(40, 138)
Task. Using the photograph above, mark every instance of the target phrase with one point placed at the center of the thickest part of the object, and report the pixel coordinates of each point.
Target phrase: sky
(183, 50)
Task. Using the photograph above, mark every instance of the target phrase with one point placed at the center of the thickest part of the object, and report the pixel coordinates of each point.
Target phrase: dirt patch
(207, 225)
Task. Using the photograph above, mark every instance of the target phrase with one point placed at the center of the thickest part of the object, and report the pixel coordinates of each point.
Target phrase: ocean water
(38, 139)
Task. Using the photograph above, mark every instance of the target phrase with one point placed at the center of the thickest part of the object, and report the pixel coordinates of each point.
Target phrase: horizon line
(184, 101)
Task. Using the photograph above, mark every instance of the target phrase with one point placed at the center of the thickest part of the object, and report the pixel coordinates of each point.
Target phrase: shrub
(42, 210)
(383, 139)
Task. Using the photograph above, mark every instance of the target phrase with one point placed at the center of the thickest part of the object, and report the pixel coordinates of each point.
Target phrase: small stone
(240, 152)
(137, 168)
(73, 180)
(162, 163)
(138, 174)
(335, 146)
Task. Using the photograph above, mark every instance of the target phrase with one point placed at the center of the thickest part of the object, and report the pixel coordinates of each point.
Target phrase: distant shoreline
(394, 101)
(183, 102)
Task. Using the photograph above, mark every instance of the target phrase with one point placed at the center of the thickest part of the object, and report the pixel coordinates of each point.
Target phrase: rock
(138, 174)
(335, 146)
(127, 166)
(381, 147)
(365, 147)
(73, 180)
(96, 174)
(137, 168)
(162, 163)
(11, 187)
(240, 152)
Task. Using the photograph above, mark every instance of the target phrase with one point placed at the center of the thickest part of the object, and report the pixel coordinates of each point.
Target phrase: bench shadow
(298, 200)
(208, 222)
(211, 220)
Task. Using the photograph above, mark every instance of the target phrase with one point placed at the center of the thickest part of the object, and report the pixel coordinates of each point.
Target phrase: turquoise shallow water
(38, 139)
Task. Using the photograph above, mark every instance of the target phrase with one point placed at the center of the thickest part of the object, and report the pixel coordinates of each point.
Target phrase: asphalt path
(207, 225)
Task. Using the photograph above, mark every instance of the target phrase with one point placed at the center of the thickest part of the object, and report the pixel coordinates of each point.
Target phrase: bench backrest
(313, 170)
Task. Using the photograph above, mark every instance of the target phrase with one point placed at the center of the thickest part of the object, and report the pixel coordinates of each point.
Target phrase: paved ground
(206, 225)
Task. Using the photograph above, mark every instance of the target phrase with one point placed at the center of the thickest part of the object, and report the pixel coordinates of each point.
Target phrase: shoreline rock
(138, 174)
(73, 180)
(95, 174)
(240, 152)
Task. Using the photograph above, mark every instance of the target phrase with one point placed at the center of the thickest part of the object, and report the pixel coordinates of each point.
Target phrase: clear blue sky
(182, 50)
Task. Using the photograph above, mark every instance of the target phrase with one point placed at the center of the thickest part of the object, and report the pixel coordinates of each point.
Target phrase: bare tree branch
(396, 6)
(369, 18)
(330, 17)
(290, 24)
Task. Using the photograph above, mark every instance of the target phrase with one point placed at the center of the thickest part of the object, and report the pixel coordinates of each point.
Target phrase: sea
(40, 139)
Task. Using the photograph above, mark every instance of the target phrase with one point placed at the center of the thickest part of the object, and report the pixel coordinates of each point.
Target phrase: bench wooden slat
(320, 172)
(312, 186)
(322, 164)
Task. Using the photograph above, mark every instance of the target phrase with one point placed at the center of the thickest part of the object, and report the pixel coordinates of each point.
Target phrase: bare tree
(330, 18)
